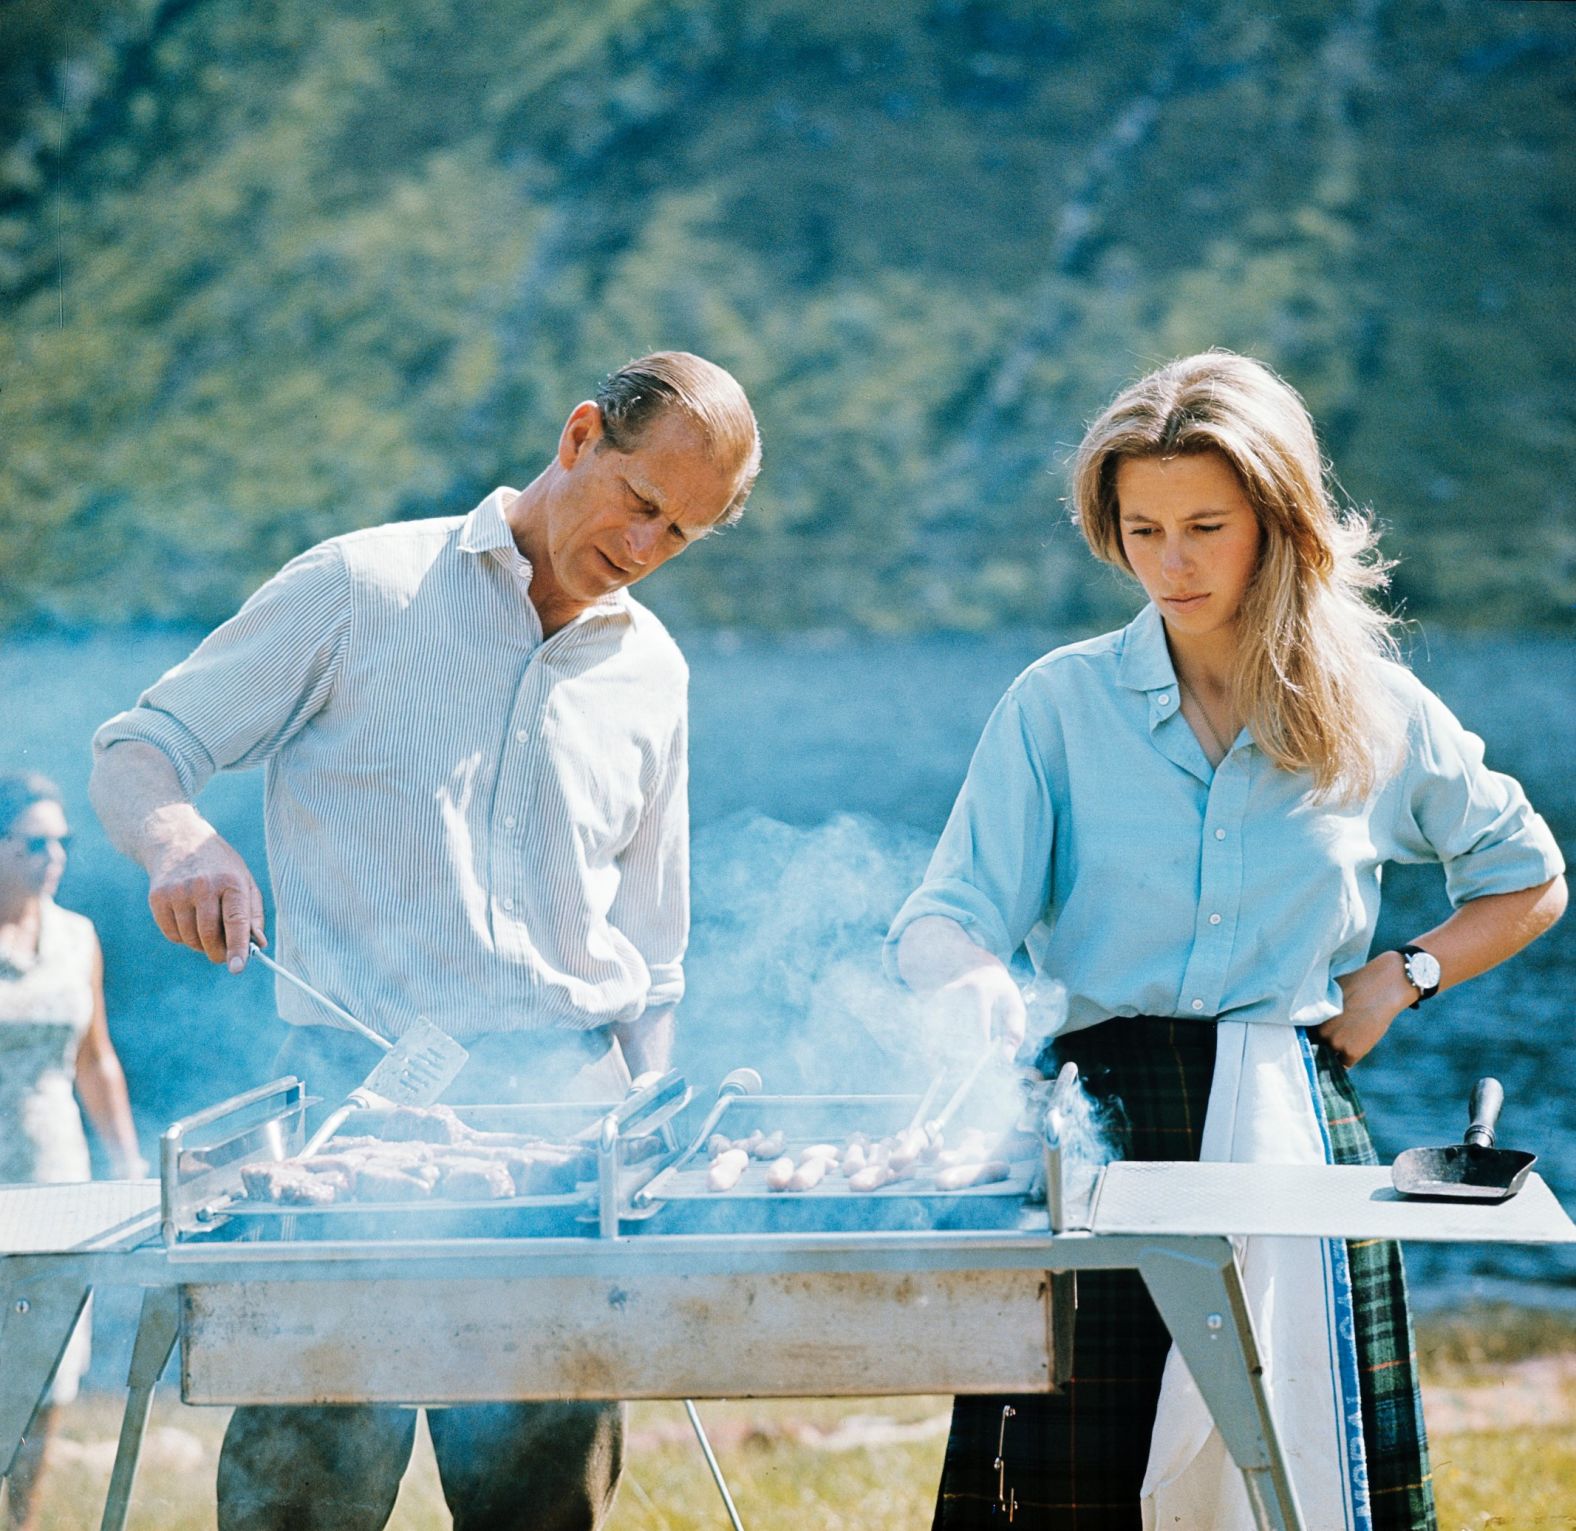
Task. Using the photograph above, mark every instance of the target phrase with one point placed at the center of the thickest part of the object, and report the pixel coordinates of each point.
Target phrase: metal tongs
(741, 1081)
(414, 1071)
(934, 1126)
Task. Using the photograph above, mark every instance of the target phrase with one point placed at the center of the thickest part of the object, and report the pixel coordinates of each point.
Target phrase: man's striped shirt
(465, 822)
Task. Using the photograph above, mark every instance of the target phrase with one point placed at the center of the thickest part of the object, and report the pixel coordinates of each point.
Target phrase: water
(822, 769)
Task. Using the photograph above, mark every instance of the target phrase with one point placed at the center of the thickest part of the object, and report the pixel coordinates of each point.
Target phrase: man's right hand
(201, 892)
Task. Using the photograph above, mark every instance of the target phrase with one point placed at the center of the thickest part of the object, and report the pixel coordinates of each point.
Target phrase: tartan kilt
(1077, 1458)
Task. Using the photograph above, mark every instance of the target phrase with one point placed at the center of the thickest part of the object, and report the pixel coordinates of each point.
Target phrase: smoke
(784, 967)
(785, 971)
(1087, 1130)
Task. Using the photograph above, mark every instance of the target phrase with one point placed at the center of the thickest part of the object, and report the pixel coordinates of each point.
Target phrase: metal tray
(688, 1204)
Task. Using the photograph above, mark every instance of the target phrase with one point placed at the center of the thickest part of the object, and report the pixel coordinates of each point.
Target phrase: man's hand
(201, 892)
(1372, 997)
(647, 1044)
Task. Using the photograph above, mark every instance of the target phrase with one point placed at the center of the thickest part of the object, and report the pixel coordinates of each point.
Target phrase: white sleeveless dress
(46, 1007)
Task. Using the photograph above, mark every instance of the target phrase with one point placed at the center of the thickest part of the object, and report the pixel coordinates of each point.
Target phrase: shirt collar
(487, 531)
(1145, 664)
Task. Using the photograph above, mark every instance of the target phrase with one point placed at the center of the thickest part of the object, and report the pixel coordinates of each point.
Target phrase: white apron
(1264, 1108)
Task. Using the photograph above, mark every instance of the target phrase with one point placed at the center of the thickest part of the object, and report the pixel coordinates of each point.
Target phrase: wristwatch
(1422, 972)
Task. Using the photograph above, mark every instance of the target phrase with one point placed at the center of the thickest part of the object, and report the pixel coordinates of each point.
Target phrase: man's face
(616, 517)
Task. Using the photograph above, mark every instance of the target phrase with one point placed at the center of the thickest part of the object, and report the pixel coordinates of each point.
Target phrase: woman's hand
(984, 1001)
(1372, 997)
(968, 988)
(1480, 934)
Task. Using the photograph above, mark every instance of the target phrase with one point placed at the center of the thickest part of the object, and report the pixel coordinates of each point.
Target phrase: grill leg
(1063, 1325)
(711, 1462)
(156, 1330)
(1199, 1295)
(37, 1315)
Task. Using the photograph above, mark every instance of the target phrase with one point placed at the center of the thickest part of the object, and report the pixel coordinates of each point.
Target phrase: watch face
(1422, 969)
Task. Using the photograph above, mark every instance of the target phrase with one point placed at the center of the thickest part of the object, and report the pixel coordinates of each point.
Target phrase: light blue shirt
(1092, 830)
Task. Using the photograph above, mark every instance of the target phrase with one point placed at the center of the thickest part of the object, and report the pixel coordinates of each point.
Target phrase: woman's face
(1191, 537)
(33, 851)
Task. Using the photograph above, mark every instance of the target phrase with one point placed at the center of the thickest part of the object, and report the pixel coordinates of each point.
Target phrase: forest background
(271, 269)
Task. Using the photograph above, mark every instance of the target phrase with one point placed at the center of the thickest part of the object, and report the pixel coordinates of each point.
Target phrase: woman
(52, 1036)
(1185, 823)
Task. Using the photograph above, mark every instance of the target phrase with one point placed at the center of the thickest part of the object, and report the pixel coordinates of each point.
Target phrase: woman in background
(1185, 822)
(53, 1041)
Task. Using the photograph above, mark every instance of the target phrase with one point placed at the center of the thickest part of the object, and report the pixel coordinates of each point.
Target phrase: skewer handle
(739, 1082)
(322, 999)
(969, 1081)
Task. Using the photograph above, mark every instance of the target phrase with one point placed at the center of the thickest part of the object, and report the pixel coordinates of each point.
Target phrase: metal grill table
(638, 1312)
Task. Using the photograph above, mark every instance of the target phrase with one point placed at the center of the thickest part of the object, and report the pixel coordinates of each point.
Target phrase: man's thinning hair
(642, 391)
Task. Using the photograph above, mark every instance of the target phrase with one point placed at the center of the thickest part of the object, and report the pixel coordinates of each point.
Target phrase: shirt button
(1220, 834)
(1163, 700)
(1214, 919)
(1198, 1004)
(508, 823)
(508, 904)
(520, 736)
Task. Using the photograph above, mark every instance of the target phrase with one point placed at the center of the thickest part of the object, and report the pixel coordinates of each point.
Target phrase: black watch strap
(1424, 991)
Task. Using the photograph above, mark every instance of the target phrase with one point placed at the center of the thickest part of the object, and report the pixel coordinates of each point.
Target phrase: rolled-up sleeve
(1476, 822)
(651, 907)
(253, 682)
(991, 871)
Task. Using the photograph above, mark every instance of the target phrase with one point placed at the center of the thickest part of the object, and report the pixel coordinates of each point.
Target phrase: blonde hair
(632, 399)
(1307, 679)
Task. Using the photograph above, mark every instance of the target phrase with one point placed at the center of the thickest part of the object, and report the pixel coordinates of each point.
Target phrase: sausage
(718, 1144)
(812, 1168)
(872, 1177)
(829, 1151)
(726, 1169)
(854, 1159)
(960, 1177)
(766, 1146)
(779, 1172)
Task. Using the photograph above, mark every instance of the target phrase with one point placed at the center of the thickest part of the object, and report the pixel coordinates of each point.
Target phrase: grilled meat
(476, 1180)
(388, 1182)
(453, 1161)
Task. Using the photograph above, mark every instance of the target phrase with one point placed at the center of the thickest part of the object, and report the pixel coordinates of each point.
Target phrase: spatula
(414, 1071)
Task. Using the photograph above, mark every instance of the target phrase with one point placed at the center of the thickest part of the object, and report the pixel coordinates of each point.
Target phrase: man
(476, 812)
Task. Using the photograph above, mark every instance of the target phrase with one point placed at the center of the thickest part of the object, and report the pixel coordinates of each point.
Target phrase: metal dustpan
(1471, 1170)
(414, 1071)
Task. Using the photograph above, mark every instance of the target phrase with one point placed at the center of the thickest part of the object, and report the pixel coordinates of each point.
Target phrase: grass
(1501, 1381)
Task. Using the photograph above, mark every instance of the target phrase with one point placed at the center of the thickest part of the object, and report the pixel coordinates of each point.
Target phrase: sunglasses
(36, 845)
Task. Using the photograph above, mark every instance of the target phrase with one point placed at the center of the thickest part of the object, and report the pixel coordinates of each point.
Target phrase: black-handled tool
(1473, 1169)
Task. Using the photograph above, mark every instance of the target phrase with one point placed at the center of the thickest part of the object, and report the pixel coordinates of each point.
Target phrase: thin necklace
(1203, 712)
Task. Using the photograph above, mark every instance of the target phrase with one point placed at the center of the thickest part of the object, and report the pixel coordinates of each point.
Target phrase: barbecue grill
(641, 1283)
